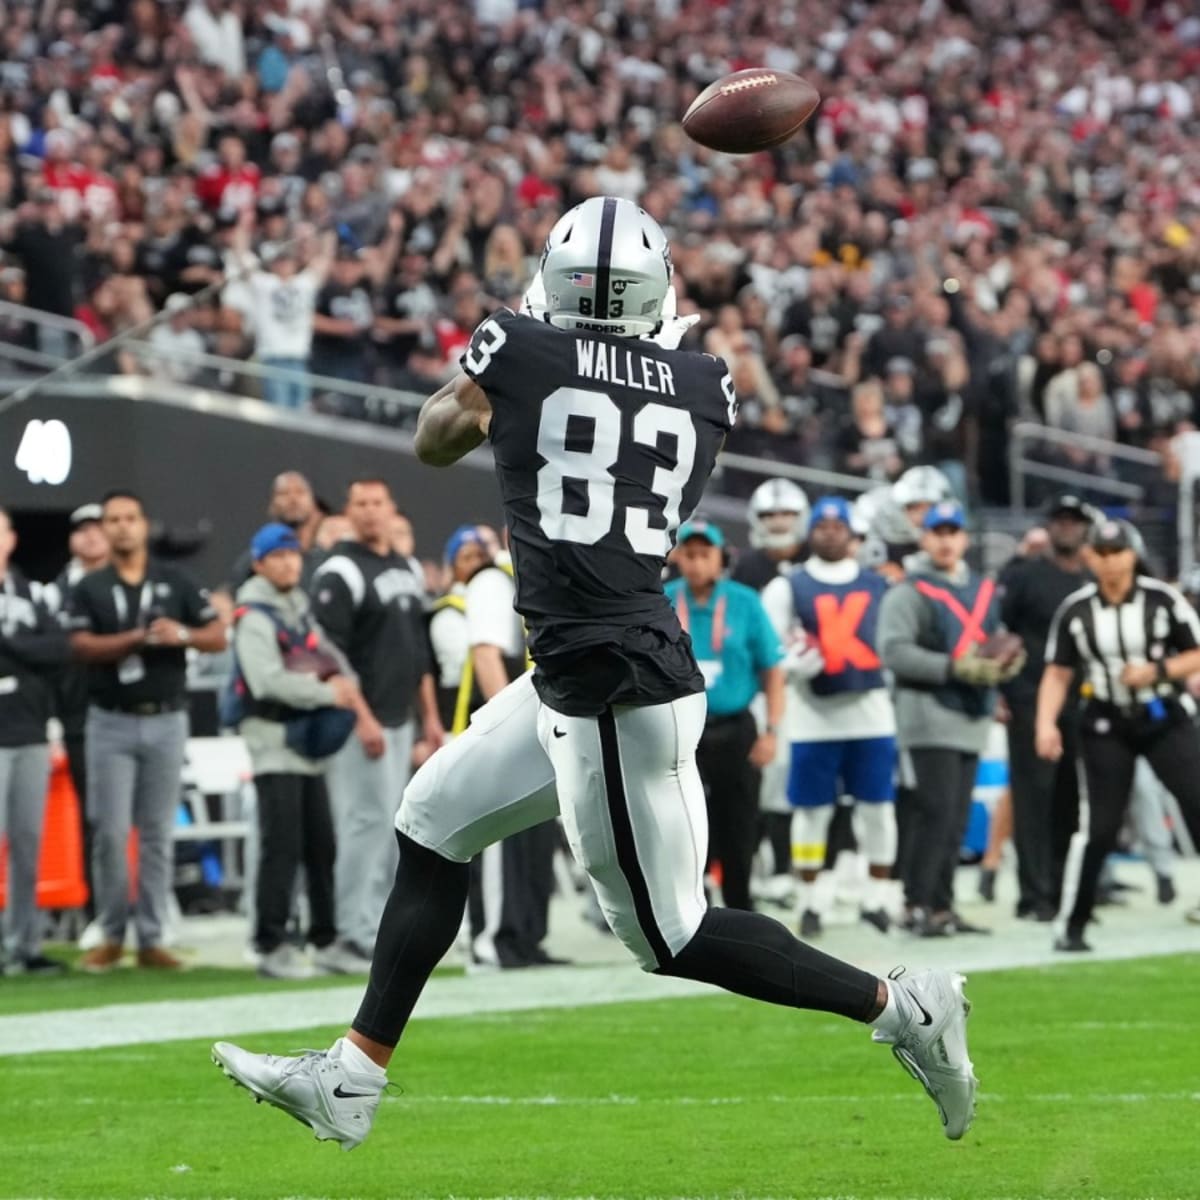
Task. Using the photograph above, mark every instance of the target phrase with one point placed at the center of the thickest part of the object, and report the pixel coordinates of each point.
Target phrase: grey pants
(1148, 812)
(134, 767)
(365, 794)
(24, 775)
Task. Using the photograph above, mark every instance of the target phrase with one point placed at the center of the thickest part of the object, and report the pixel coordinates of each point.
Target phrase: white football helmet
(921, 485)
(606, 267)
(779, 513)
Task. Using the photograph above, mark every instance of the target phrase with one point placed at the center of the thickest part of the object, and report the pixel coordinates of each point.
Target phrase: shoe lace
(303, 1058)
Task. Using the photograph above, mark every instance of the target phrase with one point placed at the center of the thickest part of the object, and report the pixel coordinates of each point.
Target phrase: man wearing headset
(739, 655)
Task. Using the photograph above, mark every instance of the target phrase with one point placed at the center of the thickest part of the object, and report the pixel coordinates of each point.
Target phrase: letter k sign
(837, 628)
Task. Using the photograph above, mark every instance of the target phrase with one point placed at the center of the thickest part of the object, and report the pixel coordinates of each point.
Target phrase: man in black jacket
(371, 602)
(1045, 795)
(31, 646)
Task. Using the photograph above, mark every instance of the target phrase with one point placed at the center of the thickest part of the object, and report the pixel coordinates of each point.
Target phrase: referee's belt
(144, 708)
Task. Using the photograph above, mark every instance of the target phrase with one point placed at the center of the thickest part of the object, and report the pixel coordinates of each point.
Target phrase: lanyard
(718, 623)
(145, 599)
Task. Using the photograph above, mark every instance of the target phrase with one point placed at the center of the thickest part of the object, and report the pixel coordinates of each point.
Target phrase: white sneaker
(931, 1043)
(315, 1088)
(339, 959)
(285, 962)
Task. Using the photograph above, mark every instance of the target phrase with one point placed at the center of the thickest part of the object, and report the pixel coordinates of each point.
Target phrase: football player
(602, 442)
(890, 518)
(839, 722)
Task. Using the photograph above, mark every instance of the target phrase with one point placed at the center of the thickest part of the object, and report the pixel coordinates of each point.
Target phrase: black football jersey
(603, 445)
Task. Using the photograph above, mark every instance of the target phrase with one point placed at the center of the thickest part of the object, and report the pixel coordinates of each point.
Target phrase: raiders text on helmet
(606, 268)
(778, 532)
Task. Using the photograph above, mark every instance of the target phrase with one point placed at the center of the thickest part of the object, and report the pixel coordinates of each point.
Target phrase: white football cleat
(931, 1044)
(315, 1088)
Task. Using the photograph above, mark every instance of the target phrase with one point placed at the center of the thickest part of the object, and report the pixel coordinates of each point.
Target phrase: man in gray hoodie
(930, 629)
(294, 819)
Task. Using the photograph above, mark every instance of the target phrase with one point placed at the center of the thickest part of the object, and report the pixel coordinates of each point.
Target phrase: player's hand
(370, 734)
(1048, 742)
(672, 331)
(804, 662)
(1139, 675)
(762, 753)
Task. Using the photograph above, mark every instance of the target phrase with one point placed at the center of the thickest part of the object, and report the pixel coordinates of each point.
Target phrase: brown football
(1002, 646)
(750, 110)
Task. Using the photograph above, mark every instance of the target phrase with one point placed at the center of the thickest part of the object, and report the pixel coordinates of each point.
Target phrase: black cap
(84, 514)
(1068, 504)
(1112, 535)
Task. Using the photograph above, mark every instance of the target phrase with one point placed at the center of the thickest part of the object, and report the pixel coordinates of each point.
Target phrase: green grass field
(1090, 1088)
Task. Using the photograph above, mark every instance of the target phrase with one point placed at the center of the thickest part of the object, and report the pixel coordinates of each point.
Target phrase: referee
(1135, 640)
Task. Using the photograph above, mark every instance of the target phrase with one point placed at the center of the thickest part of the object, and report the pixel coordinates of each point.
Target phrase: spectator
(371, 602)
(45, 242)
(289, 669)
(132, 622)
(284, 301)
(1088, 412)
(293, 504)
(867, 444)
(343, 320)
(32, 646)
(176, 344)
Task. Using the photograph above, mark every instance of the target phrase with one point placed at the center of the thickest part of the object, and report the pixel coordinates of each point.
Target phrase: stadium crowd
(996, 211)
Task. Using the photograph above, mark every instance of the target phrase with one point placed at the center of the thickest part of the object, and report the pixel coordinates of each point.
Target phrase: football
(1005, 647)
(750, 110)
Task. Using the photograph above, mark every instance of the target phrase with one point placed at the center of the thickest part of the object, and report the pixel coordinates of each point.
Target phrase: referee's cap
(1112, 535)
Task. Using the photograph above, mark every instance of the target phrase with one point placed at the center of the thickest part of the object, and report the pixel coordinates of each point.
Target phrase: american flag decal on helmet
(579, 279)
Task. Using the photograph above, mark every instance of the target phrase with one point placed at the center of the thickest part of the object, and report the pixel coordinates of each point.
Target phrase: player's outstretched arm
(453, 421)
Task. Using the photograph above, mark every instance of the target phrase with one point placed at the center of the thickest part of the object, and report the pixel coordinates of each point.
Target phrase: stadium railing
(1025, 437)
(45, 320)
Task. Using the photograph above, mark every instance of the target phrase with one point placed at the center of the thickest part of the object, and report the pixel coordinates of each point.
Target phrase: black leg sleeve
(755, 956)
(420, 921)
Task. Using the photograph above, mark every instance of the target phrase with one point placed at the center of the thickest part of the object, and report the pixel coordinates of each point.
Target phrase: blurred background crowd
(994, 214)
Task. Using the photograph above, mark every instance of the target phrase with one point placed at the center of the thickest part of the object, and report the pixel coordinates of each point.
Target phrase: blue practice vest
(843, 617)
(965, 616)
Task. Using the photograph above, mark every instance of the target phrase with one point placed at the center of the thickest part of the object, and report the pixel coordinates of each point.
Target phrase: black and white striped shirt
(1154, 622)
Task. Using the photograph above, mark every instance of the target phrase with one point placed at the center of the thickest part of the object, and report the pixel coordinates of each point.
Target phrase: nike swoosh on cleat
(928, 1020)
(337, 1091)
(559, 732)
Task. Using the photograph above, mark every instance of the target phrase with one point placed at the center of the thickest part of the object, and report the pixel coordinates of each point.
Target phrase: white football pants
(626, 785)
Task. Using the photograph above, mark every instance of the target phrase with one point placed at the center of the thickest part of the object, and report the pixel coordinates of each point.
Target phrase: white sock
(354, 1060)
(896, 1011)
(805, 896)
